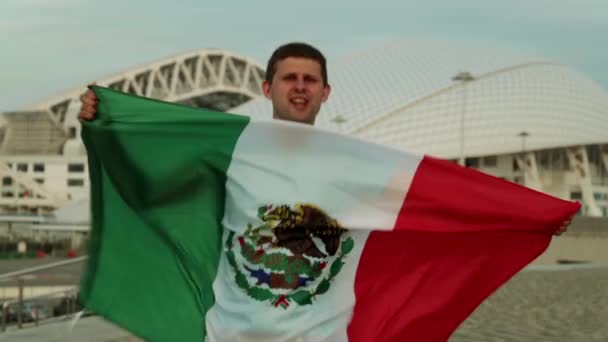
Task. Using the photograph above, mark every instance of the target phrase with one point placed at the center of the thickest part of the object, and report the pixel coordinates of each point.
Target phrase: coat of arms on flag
(282, 260)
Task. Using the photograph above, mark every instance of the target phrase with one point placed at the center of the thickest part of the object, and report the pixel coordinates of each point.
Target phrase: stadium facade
(525, 119)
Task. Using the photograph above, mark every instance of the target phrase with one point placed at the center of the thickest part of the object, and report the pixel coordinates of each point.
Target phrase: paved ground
(560, 303)
(93, 329)
(544, 305)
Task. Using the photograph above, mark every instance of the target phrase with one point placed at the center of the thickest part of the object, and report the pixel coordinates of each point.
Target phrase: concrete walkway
(93, 329)
(540, 304)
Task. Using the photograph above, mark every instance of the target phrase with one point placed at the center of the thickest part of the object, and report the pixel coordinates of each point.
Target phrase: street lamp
(463, 77)
(523, 135)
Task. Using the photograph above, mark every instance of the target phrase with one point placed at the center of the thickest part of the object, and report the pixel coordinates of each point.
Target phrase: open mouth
(299, 102)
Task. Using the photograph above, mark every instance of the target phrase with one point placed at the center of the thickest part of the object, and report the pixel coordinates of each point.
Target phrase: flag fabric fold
(209, 224)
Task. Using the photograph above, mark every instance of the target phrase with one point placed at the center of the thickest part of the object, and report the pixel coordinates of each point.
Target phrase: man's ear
(266, 89)
(326, 92)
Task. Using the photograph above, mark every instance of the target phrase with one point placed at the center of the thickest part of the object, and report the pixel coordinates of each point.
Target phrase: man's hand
(563, 228)
(89, 105)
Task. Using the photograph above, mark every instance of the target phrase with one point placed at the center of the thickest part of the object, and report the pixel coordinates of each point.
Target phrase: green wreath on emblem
(295, 271)
(302, 296)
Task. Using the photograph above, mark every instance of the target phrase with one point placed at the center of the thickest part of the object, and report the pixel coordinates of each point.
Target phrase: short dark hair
(302, 50)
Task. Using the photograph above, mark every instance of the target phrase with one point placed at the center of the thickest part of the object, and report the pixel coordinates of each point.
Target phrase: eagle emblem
(292, 257)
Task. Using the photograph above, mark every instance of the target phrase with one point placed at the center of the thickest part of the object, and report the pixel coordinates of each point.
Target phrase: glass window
(75, 167)
(576, 195)
(22, 167)
(75, 182)
(544, 159)
(7, 181)
(38, 167)
(472, 162)
(490, 161)
(515, 164)
(39, 180)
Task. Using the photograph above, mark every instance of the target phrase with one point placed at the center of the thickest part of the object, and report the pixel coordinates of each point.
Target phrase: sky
(49, 46)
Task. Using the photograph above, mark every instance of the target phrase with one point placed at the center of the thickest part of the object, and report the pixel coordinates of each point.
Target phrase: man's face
(296, 90)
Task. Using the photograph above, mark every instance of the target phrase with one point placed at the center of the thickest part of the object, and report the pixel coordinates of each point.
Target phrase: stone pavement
(552, 303)
(93, 329)
(559, 303)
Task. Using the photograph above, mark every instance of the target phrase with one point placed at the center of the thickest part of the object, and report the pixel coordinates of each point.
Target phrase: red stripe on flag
(460, 235)
(446, 197)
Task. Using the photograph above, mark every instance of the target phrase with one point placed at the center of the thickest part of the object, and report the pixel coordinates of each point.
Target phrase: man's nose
(300, 84)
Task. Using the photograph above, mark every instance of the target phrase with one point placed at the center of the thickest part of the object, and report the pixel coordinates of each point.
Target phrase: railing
(69, 295)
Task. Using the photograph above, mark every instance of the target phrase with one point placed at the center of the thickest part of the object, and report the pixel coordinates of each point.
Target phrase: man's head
(296, 82)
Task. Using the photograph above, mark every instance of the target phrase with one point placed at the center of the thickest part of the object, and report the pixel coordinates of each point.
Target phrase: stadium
(521, 118)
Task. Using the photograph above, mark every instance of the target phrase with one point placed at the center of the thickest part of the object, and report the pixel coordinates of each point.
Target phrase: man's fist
(89, 105)
(563, 228)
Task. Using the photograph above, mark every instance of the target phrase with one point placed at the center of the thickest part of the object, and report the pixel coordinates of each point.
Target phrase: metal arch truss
(604, 155)
(214, 79)
(579, 163)
(374, 121)
(527, 163)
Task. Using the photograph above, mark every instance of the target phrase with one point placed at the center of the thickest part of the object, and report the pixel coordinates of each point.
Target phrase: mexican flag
(212, 225)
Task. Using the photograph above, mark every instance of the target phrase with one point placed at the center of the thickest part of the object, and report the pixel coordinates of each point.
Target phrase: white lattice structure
(210, 78)
(516, 116)
(45, 136)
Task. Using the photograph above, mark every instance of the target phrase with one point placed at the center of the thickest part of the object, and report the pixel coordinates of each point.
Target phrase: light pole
(463, 77)
(523, 135)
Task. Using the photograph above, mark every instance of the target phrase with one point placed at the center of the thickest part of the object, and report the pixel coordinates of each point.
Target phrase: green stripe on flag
(158, 173)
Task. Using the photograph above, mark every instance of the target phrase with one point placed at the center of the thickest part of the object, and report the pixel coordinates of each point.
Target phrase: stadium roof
(404, 95)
